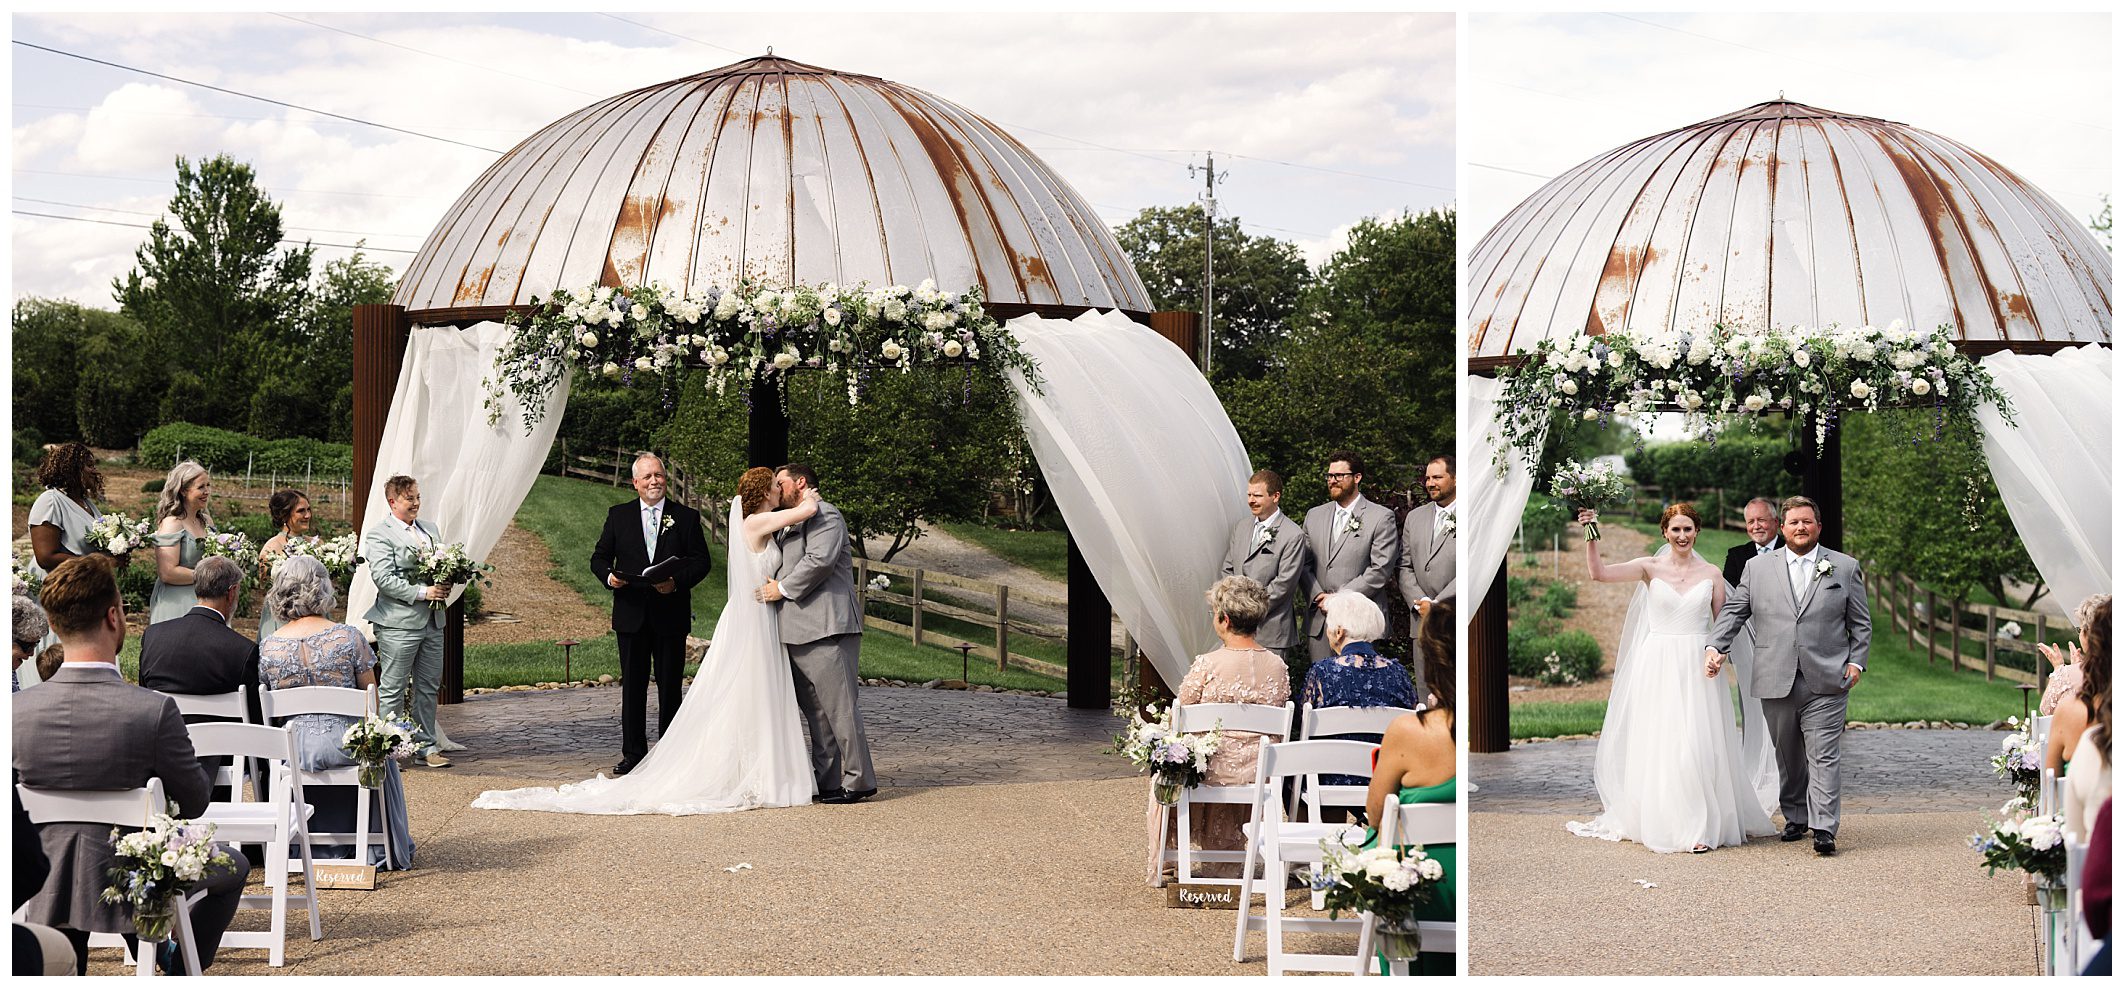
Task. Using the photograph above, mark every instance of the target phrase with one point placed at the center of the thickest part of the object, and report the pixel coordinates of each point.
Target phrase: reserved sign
(1178, 896)
(344, 876)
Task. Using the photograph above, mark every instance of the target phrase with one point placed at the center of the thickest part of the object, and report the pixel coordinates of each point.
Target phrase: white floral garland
(746, 331)
(1721, 373)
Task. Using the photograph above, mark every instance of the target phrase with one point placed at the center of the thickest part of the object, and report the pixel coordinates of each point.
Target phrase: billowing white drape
(473, 476)
(2053, 469)
(1145, 467)
(1494, 503)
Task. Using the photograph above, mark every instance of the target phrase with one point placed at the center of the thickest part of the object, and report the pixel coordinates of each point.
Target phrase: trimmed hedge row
(1749, 465)
(230, 452)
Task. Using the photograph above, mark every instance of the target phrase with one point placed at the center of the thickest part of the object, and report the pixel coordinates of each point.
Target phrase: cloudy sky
(1547, 92)
(1315, 129)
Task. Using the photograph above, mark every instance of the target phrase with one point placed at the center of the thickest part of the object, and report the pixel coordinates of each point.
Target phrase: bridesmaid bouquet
(27, 580)
(235, 545)
(445, 564)
(339, 555)
(151, 868)
(373, 742)
(1391, 883)
(1583, 487)
(116, 534)
(1177, 761)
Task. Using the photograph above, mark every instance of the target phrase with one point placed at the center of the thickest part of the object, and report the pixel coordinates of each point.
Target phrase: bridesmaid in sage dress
(309, 649)
(181, 525)
(291, 516)
(59, 519)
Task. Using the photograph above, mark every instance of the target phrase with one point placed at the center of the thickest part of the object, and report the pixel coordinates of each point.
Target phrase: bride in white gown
(1668, 766)
(737, 742)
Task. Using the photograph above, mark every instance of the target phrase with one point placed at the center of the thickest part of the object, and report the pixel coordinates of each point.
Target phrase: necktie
(1342, 523)
(1799, 578)
(649, 534)
(1261, 530)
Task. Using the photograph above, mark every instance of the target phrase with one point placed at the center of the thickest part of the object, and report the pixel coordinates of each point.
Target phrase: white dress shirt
(1799, 569)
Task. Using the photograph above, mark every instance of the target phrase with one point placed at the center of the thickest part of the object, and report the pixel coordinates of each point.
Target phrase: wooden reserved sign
(1178, 896)
(345, 876)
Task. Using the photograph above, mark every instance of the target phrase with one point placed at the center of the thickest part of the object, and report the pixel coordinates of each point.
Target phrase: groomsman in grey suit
(822, 625)
(87, 728)
(1428, 536)
(1354, 545)
(1270, 550)
(409, 632)
(1806, 608)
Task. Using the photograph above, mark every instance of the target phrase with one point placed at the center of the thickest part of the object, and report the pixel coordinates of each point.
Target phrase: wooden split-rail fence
(1944, 628)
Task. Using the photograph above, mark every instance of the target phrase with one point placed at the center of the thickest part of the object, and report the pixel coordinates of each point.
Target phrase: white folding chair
(2070, 933)
(276, 705)
(280, 822)
(116, 808)
(1415, 824)
(1319, 722)
(230, 705)
(1280, 845)
(2048, 797)
(1252, 718)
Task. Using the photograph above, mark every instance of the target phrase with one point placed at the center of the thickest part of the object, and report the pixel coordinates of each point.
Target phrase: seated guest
(2094, 893)
(309, 649)
(89, 729)
(1356, 675)
(1239, 672)
(48, 661)
(199, 654)
(1415, 762)
(2086, 787)
(2074, 712)
(30, 628)
(39, 950)
(2065, 663)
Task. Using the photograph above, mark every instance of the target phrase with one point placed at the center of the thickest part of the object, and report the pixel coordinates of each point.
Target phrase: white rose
(721, 356)
(639, 311)
(834, 344)
(832, 317)
(953, 349)
(1398, 881)
(644, 363)
(891, 350)
(1860, 390)
(1693, 401)
(1921, 386)
(1591, 415)
(1569, 387)
(611, 369)
(726, 306)
(588, 339)
(784, 360)
(1802, 357)
(1755, 403)
(1430, 870)
(1615, 358)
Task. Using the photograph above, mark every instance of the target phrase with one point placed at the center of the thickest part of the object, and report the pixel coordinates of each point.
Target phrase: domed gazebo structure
(1776, 216)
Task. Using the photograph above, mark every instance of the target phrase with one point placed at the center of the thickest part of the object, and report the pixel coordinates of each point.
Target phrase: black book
(656, 572)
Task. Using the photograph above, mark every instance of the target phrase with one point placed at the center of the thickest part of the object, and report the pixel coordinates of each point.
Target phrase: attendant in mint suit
(409, 632)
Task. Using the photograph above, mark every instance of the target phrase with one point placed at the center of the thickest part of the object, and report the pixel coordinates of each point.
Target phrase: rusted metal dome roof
(776, 170)
(1785, 215)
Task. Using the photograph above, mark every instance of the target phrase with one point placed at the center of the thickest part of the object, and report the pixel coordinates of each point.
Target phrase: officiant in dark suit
(652, 554)
(1761, 515)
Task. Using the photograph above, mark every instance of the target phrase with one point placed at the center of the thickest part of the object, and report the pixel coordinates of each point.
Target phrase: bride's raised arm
(761, 523)
(1635, 569)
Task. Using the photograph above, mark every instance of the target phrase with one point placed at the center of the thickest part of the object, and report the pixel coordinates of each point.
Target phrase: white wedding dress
(737, 742)
(1668, 766)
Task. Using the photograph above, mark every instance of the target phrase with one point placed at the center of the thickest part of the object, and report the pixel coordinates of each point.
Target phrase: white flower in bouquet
(1590, 414)
(1430, 869)
(644, 364)
(1756, 402)
(588, 339)
(1861, 390)
(1801, 357)
(895, 310)
(879, 582)
(720, 356)
(638, 311)
(726, 306)
(1920, 387)
(891, 350)
(1569, 387)
(785, 360)
(611, 369)
(831, 316)
(952, 348)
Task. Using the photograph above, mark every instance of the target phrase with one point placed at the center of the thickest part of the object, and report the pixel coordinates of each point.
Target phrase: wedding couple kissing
(1795, 627)
(783, 657)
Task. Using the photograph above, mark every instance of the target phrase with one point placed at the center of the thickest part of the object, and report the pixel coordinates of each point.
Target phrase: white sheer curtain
(2053, 469)
(473, 476)
(1145, 467)
(1494, 503)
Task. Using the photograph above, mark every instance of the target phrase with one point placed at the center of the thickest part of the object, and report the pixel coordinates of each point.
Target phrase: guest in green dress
(1415, 764)
(181, 526)
(291, 516)
(60, 518)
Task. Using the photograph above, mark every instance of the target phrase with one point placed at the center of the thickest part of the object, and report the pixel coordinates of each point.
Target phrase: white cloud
(140, 127)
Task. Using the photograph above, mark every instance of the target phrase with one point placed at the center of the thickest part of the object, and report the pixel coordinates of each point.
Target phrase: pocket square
(1836, 586)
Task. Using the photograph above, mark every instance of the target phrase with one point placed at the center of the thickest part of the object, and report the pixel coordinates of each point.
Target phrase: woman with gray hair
(1356, 675)
(182, 525)
(309, 649)
(30, 629)
(1239, 672)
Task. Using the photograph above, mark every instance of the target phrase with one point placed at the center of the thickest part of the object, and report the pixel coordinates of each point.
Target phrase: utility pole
(1210, 178)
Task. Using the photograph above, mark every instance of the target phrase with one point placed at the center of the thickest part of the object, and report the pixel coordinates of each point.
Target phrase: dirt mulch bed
(1600, 612)
(526, 604)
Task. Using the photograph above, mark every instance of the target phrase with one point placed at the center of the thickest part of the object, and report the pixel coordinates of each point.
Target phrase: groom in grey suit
(1355, 547)
(822, 625)
(1270, 549)
(1806, 608)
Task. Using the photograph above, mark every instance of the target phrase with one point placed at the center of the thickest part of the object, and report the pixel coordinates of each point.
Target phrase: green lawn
(1043, 552)
(567, 514)
(1898, 686)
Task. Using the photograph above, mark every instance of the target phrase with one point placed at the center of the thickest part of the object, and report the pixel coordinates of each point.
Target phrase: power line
(1338, 171)
(140, 212)
(280, 190)
(1515, 171)
(430, 54)
(261, 99)
(681, 37)
(226, 116)
(137, 226)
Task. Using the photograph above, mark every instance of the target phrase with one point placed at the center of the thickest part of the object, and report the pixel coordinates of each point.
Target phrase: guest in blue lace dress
(1356, 675)
(308, 649)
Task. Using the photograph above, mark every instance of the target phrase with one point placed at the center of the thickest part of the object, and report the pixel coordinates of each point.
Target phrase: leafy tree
(1259, 280)
(306, 386)
(1368, 364)
(1906, 498)
(114, 397)
(47, 336)
(217, 294)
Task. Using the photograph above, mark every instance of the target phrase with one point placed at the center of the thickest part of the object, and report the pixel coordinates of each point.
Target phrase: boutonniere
(1351, 526)
(1447, 527)
(1267, 537)
(1823, 568)
(667, 523)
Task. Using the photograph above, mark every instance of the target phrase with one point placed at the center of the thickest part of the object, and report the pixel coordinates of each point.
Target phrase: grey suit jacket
(818, 581)
(1362, 561)
(90, 729)
(1426, 568)
(390, 551)
(1279, 565)
(1811, 637)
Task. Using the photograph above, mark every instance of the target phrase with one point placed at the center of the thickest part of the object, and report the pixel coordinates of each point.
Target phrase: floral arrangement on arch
(1722, 373)
(751, 329)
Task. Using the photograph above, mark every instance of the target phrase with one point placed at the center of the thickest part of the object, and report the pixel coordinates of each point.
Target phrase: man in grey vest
(1355, 546)
(822, 626)
(1270, 549)
(1428, 536)
(1806, 608)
